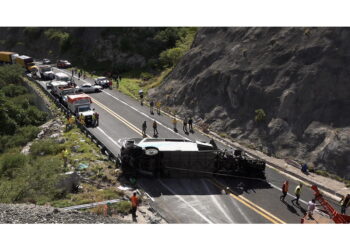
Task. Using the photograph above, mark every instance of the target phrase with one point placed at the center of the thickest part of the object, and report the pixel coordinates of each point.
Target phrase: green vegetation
(90, 194)
(260, 115)
(46, 147)
(122, 207)
(183, 38)
(24, 178)
(18, 115)
(62, 37)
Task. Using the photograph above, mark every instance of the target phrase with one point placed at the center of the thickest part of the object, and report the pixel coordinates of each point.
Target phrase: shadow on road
(291, 208)
(197, 186)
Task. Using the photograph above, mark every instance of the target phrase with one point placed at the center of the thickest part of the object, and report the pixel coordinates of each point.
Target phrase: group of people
(344, 203)
(155, 129)
(186, 130)
(156, 104)
(80, 73)
(81, 120)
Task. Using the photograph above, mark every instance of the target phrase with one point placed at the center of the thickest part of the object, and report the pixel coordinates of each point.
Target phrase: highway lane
(266, 197)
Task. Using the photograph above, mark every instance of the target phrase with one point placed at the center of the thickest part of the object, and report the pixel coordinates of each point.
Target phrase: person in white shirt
(311, 207)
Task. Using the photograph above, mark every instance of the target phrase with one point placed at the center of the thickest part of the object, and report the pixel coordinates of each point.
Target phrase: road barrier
(84, 129)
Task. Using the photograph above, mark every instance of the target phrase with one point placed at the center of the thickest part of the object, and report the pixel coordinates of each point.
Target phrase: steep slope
(297, 76)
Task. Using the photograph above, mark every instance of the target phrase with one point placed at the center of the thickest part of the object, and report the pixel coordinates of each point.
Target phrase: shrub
(11, 74)
(146, 76)
(122, 207)
(10, 163)
(170, 57)
(36, 179)
(12, 90)
(260, 115)
(22, 136)
(46, 147)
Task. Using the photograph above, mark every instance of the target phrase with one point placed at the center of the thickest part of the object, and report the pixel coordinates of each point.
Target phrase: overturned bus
(184, 158)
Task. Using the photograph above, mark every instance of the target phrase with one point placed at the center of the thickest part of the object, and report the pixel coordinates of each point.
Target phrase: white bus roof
(59, 74)
(58, 83)
(172, 144)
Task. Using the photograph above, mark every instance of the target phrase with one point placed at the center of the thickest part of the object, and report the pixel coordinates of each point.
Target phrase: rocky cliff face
(298, 76)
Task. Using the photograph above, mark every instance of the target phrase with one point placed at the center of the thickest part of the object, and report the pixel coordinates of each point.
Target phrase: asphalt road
(195, 200)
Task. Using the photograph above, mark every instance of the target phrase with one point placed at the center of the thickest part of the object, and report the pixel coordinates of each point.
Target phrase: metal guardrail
(90, 205)
(66, 111)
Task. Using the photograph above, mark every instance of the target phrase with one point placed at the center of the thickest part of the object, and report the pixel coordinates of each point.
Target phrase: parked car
(89, 88)
(103, 82)
(46, 61)
(63, 64)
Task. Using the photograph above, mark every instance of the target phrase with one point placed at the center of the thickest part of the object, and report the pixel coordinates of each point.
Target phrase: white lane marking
(184, 201)
(140, 112)
(146, 192)
(110, 138)
(145, 115)
(217, 203)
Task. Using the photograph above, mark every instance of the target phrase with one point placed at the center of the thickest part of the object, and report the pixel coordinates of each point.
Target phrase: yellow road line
(263, 210)
(120, 118)
(252, 206)
(241, 199)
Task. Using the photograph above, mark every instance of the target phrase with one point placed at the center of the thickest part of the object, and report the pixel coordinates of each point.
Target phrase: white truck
(46, 72)
(81, 105)
(55, 85)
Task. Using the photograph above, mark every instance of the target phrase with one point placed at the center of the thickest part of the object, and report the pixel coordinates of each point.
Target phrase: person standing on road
(158, 107)
(79, 75)
(297, 193)
(155, 130)
(134, 204)
(141, 96)
(144, 127)
(72, 72)
(190, 123)
(184, 127)
(311, 207)
(174, 124)
(151, 105)
(285, 187)
(344, 203)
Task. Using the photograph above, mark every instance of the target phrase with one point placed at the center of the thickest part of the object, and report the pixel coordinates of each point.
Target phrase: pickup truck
(103, 82)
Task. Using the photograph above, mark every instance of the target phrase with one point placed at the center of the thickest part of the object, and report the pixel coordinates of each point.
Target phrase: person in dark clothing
(345, 202)
(144, 127)
(155, 130)
(184, 127)
(151, 105)
(190, 123)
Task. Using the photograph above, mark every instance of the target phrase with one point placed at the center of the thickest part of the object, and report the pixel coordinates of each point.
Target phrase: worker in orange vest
(134, 203)
(284, 190)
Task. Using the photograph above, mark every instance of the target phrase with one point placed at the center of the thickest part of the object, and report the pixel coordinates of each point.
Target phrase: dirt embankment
(297, 76)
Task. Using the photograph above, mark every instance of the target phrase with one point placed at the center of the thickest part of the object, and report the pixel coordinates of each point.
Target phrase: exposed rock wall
(298, 76)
